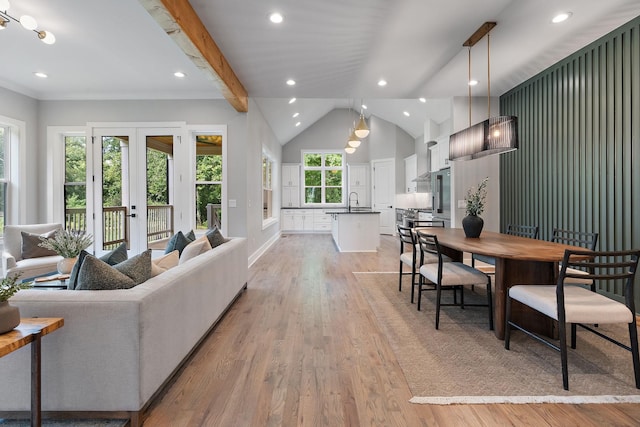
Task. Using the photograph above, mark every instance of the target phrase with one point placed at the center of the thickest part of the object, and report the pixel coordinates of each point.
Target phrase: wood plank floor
(301, 347)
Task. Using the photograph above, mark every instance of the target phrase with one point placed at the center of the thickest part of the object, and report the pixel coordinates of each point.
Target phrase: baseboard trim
(263, 249)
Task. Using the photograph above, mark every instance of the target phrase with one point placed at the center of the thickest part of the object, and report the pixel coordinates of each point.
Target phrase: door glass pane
(208, 181)
(115, 187)
(75, 186)
(159, 176)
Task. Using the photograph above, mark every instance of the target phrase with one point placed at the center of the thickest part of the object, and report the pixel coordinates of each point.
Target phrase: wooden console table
(30, 330)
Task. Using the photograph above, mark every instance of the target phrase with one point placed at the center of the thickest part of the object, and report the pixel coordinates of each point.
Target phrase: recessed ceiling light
(179, 74)
(382, 82)
(473, 82)
(423, 100)
(292, 100)
(276, 18)
(291, 82)
(364, 106)
(561, 17)
(297, 124)
(406, 113)
(295, 115)
(41, 75)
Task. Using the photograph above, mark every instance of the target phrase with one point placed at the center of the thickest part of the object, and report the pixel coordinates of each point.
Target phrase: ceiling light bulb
(28, 22)
(179, 74)
(423, 100)
(297, 124)
(40, 74)
(353, 140)
(295, 115)
(473, 82)
(364, 106)
(349, 149)
(3, 24)
(406, 113)
(382, 82)
(561, 17)
(291, 82)
(362, 131)
(292, 100)
(4, 5)
(276, 18)
(47, 37)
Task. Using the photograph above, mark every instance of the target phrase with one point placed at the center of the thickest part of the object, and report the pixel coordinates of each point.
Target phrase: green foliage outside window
(323, 178)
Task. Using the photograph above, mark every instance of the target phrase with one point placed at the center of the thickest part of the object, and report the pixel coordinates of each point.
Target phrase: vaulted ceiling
(336, 51)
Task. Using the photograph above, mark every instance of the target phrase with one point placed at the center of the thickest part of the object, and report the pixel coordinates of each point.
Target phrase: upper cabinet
(411, 173)
(359, 182)
(440, 154)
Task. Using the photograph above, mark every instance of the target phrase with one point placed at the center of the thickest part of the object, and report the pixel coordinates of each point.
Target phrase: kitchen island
(355, 230)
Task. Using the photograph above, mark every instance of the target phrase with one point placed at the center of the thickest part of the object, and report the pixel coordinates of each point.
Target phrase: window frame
(269, 187)
(323, 169)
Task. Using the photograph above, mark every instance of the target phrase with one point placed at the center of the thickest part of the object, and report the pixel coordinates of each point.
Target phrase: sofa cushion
(178, 242)
(31, 242)
(138, 267)
(194, 249)
(116, 256)
(95, 274)
(215, 237)
(164, 263)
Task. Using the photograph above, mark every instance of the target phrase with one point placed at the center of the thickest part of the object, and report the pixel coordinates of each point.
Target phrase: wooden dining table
(519, 261)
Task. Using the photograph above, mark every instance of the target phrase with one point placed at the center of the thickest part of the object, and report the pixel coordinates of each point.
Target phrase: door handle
(132, 215)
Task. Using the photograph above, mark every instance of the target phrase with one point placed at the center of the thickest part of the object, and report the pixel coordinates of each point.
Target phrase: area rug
(65, 423)
(463, 362)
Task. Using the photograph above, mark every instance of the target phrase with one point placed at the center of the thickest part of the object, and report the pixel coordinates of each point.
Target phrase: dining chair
(577, 238)
(407, 238)
(428, 223)
(451, 275)
(577, 305)
(530, 231)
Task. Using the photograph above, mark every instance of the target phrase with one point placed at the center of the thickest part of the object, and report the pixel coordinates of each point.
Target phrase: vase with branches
(68, 244)
(475, 200)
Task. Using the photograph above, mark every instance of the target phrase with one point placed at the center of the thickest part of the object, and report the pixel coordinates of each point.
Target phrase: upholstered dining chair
(576, 305)
(530, 231)
(448, 275)
(577, 238)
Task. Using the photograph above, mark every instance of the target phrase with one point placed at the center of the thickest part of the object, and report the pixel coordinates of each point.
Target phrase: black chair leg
(420, 282)
(573, 335)
(438, 295)
(507, 325)
(400, 278)
(490, 303)
(562, 329)
(462, 297)
(633, 334)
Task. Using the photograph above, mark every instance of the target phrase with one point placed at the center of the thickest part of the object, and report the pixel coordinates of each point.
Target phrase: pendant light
(495, 135)
(362, 131)
(353, 140)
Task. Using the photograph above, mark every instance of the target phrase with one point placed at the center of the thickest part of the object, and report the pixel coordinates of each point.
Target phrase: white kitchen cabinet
(305, 220)
(411, 173)
(359, 183)
(440, 154)
(290, 186)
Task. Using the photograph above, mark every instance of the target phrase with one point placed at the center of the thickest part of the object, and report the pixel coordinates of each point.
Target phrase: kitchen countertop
(352, 211)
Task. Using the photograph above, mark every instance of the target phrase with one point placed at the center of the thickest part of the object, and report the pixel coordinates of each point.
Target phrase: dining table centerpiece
(9, 314)
(68, 244)
(476, 196)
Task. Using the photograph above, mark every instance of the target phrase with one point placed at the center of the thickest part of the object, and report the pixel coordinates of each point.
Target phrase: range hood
(425, 177)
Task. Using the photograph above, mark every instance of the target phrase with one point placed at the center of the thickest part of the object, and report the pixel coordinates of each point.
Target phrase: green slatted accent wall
(578, 166)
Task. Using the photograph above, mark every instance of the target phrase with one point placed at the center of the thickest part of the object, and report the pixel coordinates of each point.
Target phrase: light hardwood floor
(301, 347)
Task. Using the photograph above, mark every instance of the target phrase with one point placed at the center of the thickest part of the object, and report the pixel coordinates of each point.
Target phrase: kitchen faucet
(357, 203)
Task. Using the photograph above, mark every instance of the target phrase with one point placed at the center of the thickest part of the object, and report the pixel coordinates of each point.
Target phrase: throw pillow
(178, 242)
(164, 263)
(116, 256)
(97, 275)
(30, 242)
(73, 277)
(191, 235)
(194, 249)
(138, 267)
(215, 237)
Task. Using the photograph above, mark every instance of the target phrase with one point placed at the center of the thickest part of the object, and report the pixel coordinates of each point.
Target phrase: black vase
(472, 225)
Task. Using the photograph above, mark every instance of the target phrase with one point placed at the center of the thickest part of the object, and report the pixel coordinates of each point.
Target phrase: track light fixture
(27, 22)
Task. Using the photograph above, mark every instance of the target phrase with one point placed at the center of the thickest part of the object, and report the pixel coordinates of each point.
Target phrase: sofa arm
(8, 261)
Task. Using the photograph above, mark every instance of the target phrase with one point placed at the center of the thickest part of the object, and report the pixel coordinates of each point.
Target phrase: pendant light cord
(488, 75)
(469, 85)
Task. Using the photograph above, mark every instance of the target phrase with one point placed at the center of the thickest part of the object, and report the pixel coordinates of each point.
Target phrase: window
(208, 181)
(323, 173)
(267, 187)
(75, 185)
(4, 173)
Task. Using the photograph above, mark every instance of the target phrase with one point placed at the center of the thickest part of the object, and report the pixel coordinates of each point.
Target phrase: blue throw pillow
(116, 256)
(178, 242)
(73, 277)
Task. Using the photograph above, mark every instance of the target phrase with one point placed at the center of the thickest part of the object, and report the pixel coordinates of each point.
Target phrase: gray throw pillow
(215, 237)
(178, 242)
(191, 235)
(116, 256)
(30, 242)
(138, 267)
(97, 275)
(73, 277)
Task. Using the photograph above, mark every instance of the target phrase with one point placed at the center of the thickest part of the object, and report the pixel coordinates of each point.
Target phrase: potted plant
(9, 315)
(475, 199)
(68, 244)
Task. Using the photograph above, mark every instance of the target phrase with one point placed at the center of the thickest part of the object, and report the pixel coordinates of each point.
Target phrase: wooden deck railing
(115, 229)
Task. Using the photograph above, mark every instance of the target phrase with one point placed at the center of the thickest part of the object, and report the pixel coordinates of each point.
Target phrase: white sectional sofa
(119, 347)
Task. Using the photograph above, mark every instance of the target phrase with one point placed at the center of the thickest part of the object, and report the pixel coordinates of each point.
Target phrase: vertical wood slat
(579, 141)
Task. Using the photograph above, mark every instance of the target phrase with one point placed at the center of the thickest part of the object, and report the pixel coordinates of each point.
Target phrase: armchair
(12, 261)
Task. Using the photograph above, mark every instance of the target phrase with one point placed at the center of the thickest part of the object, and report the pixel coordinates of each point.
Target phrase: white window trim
(16, 190)
(267, 222)
(302, 178)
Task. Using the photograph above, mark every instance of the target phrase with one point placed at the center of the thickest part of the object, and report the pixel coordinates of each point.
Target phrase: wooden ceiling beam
(184, 26)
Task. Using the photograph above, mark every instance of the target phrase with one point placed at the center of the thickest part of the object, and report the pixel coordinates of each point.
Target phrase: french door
(133, 187)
